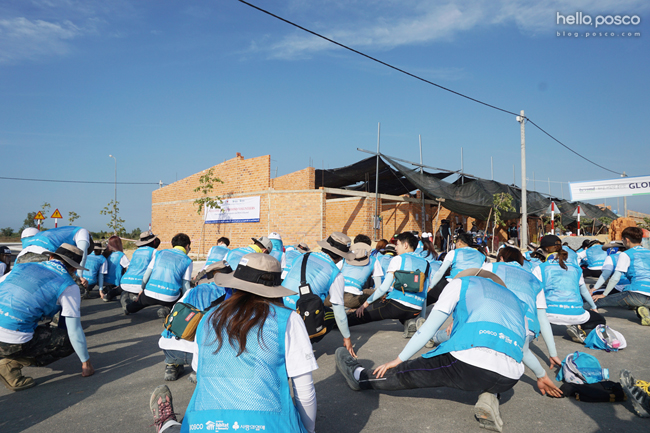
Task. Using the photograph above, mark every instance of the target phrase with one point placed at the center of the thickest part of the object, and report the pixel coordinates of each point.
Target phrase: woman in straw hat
(246, 349)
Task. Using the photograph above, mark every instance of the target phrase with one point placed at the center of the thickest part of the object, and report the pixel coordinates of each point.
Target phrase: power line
(417, 78)
(79, 181)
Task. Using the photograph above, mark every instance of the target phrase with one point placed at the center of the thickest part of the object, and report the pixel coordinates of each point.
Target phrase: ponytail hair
(428, 247)
(562, 257)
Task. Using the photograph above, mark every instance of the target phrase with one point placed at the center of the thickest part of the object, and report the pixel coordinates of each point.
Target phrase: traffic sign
(56, 214)
(552, 208)
(577, 212)
(39, 216)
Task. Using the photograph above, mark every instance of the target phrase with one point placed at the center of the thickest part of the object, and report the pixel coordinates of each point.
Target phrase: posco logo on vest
(581, 19)
(485, 331)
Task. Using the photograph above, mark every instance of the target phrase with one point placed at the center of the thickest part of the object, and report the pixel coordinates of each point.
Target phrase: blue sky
(173, 87)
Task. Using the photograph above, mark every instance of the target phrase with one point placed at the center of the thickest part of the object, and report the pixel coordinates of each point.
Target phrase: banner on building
(620, 187)
(235, 210)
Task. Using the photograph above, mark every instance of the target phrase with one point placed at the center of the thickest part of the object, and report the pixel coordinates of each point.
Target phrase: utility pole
(376, 222)
(492, 167)
(115, 198)
(625, 198)
(424, 217)
(524, 205)
(462, 168)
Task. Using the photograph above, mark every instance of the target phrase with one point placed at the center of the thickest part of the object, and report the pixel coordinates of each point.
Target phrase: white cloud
(385, 24)
(21, 38)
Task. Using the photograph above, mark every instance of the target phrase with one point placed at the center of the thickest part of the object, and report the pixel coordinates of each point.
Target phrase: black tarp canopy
(472, 196)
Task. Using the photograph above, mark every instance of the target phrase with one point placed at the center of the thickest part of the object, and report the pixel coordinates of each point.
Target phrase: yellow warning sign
(39, 216)
(56, 214)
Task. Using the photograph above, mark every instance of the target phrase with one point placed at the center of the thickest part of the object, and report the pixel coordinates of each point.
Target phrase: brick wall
(351, 215)
(303, 179)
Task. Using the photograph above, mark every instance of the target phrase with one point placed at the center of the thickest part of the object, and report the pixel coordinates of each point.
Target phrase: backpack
(183, 319)
(410, 281)
(605, 338)
(310, 306)
(581, 368)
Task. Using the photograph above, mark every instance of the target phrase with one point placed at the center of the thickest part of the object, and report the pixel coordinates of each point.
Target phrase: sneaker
(486, 412)
(346, 364)
(125, 300)
(106, 294)
(163, 312)
(576, 333)
(172, 371)
(11, 375)
(644, 315)
(192, 377)
(410, 327)
(638, 392)
(161, 406)
(430, 344)
(419, 322)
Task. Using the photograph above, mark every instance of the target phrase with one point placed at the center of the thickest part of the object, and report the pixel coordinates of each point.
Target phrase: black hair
(224, 240)
(633, 234)
(362, 239)
(466, 238)
(332, 255)
(181, 240)
(409, 238)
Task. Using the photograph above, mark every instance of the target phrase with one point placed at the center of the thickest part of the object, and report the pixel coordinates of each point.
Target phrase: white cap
(275, 235)
(29, 232)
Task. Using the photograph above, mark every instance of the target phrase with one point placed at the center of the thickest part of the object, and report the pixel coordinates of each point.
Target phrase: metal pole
(514, 181)
(462, 168)
(549, 186)
(492, 167)
(424, 220)
(524, 205)
(376, 219)
(625, 198)
(115, 198)
(534, 184)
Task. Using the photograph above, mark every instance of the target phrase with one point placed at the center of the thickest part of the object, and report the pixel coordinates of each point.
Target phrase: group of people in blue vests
(255, 329)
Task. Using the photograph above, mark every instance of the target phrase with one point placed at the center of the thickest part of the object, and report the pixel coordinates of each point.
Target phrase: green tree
(645, 224)
(7, 232)
(501, 203)
(45, 208)
(206, 186)
(116, 223)
(72, 216)
(29, 221)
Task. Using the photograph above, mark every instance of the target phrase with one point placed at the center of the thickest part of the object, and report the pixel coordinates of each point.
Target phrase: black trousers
(144, 301)
(595, 319)
(586, 272)
(48, 345)
(434, 293)
(382, 310)
(443, 370)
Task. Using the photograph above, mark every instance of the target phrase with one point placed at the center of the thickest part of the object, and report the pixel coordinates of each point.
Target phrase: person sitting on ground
(634, 263)
(117, 263)
(97, 269)
(218, 252)
(486, 362)
(381, 244)
(464, 256)
(261, 245)
(356, 272)
(325, 279)
(382, 262)
(399, 304)
(613, 250)
(27, 294)
(278, 247)
(205, 296)
(167, 277)
(290, 254)
(5, 260)
(35, 245)
(131, 282)
(565, 290)
(251, 336)
(595, 257)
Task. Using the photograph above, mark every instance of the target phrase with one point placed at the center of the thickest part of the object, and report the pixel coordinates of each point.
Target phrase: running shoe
(576, 333)
(644, 315)
(346, 364)
(487, 413)
(638, 392)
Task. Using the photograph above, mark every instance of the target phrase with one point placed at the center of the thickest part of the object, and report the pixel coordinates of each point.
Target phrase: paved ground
(129, 366)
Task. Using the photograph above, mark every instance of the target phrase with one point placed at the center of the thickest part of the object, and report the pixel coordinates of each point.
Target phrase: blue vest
(321, 273)
(248, 392)
(596, 256)
(53, 238)
(487, 315)
(167, 274)
(466, 258)
(114, 274)
(93, 264)
(624, 281)
(200, 297)
(531, 263)
(30, 292)
(277, 250)
(639, 271)
(356, 276)
(289, 257)
(234, 256)
(216, 254)
(434, 265)
(419, 248)
(573, 256)
(523, 284)
(562, 288)
(411, 262)
(384, 261)
(138, 266)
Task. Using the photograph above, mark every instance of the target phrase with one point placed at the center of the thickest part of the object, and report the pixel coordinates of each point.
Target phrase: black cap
(550, 241)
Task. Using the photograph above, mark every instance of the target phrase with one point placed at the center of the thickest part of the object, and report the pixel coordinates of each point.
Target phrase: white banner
(235, 210)
(621, 187)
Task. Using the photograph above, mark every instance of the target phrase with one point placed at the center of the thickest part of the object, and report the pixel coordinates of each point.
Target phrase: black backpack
(310, 306)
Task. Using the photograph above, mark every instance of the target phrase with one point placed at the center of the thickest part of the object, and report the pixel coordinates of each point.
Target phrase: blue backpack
(581, 368)
(605, 338)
